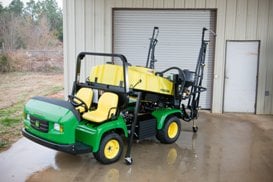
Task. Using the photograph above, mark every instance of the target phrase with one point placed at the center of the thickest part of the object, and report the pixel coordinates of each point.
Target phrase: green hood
(42, 113)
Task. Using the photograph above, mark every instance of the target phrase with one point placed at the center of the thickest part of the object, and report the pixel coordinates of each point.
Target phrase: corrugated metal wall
(88, 27)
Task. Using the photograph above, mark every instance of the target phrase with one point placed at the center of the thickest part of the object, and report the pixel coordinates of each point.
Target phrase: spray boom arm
(151, 53)
(197, 88)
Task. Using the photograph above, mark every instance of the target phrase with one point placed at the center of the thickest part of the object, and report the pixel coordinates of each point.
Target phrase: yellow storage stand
(140, 78)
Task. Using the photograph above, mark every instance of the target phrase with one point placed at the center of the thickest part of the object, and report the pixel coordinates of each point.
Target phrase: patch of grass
(12, 119)
(27, 86)
(3, 144)
(8, 121)
(11, 115)
(10, 124)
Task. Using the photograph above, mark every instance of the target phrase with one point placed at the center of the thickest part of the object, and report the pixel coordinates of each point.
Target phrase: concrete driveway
(228, 147)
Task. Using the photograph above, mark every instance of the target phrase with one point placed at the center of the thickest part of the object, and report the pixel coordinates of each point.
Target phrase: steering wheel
(76, 102)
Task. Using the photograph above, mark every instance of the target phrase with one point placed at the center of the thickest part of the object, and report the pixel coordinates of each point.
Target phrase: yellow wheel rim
(172, 130)
(111, 149)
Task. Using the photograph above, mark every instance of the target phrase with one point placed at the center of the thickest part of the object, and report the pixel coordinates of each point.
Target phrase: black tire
(114, 143)
(171, 130)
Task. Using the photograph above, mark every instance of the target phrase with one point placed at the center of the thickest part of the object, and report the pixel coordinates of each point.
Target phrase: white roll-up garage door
(179, 40)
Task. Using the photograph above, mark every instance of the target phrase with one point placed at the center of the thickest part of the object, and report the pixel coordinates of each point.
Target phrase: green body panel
(79, 131)
(73, 130)
(91, 133)
(51, 113)
(162, 113)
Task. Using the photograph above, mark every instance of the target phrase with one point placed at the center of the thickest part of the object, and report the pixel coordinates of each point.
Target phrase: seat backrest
(86, 95)
(107, 104)
(107, 107)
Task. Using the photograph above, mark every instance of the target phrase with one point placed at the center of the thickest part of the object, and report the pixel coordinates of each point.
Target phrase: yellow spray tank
(139, 78)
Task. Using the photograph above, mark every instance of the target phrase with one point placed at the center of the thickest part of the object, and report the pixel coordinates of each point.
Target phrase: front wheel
(110, 150)
(171, 130)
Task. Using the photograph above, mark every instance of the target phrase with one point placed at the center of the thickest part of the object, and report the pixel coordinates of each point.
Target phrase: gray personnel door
(241, 76)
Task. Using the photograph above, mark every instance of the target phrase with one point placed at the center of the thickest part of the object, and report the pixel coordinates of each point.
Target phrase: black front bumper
(77, 148)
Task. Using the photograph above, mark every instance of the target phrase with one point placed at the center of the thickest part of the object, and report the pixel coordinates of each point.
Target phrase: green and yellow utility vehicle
(117, 102)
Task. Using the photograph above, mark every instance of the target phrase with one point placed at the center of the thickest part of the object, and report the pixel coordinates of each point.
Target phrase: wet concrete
(229, 147)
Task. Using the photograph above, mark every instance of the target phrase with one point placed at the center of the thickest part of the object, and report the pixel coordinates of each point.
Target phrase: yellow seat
(86, 95)
(107, 107)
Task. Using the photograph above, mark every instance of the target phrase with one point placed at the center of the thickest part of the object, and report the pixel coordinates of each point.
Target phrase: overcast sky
(7, 2)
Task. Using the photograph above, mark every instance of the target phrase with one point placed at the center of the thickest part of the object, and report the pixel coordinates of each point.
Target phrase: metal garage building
(239, 71)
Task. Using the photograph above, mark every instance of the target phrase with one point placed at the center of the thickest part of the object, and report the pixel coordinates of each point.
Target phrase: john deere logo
(37, 124)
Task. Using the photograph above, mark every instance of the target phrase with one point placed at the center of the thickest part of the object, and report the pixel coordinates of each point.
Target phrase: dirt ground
(15, 89)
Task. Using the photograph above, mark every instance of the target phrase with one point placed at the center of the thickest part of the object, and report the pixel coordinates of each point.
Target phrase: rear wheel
(110, 150)
(171, 130)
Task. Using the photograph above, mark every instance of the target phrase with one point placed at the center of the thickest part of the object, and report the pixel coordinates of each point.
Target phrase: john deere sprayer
(117, 102)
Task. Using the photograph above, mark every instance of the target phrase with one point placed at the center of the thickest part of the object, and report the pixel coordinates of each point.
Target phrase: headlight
(58, 127)
(28, 117)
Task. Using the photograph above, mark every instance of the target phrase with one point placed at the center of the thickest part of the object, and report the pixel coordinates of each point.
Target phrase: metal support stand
(128, 158)
(194, 127)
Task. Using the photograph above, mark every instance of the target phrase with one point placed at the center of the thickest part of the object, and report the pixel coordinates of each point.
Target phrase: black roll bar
(81, 55)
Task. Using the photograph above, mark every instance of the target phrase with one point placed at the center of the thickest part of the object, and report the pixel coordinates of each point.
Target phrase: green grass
(10, 124)
(2, 144)
(13, 114)
(11, 117)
